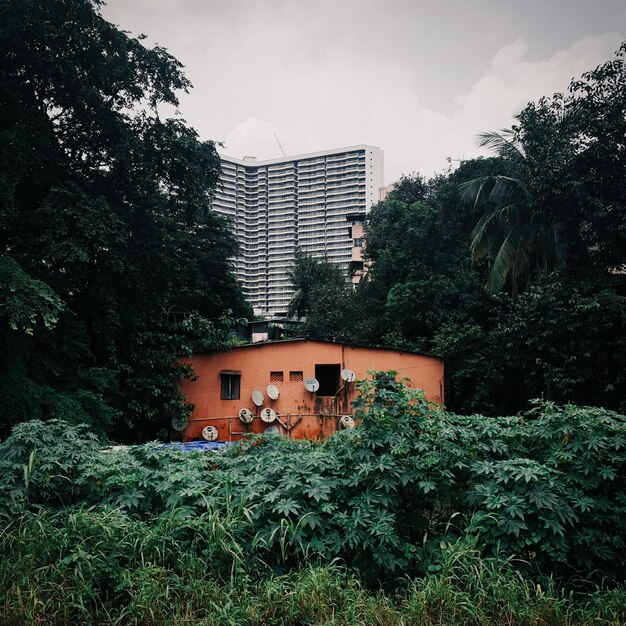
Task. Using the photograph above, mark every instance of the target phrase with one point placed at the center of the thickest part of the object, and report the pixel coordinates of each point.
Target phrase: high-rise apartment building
(302, 202)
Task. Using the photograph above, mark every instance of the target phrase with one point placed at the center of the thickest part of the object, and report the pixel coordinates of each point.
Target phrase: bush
(543, 492)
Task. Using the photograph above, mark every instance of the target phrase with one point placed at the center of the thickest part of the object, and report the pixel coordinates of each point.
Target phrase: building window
(231, 385)
(276, 377)
(296, 376)
(328, 378)
(358, 242)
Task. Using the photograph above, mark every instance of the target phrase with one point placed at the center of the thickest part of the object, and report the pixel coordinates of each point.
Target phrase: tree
(106, 203)
(332, 315)
(421, 276)
(563, 340)
(546, 224)
(307, 275)
(521, 232)
(325, 300)
(598, 104)
(562, 202)
(409, 189)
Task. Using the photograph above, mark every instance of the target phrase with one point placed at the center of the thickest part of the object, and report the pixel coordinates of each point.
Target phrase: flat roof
(259, 344)
(296, 157)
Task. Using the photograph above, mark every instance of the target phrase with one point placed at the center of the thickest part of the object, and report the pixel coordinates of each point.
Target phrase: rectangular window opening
(328, 377)
(296, 376)
(231, 385)
(276, 377)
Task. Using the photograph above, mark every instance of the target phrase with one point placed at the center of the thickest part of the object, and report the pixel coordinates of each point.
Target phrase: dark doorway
(328, 378)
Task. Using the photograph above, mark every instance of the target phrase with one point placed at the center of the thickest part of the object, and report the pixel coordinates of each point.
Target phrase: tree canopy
(511, 268)
(105, 227)
(562, 202)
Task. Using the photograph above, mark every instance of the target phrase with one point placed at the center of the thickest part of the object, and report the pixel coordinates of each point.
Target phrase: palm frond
(514, 250)
(503, 144)
(491, 229)
(505, 187)
(471, 190)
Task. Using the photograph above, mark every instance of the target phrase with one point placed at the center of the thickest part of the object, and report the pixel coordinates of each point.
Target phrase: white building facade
(281, 205)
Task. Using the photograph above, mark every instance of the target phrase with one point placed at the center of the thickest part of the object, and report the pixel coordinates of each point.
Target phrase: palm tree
(519, 233)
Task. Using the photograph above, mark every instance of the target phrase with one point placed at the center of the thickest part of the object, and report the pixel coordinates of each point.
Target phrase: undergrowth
(103, 567)
(415, 517)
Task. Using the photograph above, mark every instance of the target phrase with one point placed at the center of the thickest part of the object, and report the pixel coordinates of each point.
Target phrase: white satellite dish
(268, 415)
(346, 422)
(246, 415)
(179, 423)
(209, 433)
(311, 384)
(348, 375)
(272, 430)
(273, 392)
(257, 397)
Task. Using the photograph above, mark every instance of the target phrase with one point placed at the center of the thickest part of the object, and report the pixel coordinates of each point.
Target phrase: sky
(418, 78)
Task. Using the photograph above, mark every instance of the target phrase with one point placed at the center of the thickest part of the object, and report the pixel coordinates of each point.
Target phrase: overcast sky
(418, 78)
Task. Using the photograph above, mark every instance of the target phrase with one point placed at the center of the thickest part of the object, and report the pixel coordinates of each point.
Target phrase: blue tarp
(201, 446)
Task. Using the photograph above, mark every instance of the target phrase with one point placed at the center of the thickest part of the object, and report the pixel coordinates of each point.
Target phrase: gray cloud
(418, 78)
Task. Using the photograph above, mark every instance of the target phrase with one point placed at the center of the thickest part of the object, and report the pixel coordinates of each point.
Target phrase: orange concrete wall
(301, 414)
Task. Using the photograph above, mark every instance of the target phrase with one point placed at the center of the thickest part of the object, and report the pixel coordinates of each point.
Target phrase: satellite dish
(246, 415)
(268, 415)
(257, 397)
(273, 392)
(179, 423)
(209, 433)
(272, 430)
(348, 375)
(311, 384)
(346, 422)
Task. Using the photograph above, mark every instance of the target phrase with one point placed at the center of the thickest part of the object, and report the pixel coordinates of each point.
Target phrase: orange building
(297, 388)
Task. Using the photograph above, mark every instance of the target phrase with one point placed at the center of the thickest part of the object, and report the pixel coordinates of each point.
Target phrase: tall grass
(416, 517)
(103, 567)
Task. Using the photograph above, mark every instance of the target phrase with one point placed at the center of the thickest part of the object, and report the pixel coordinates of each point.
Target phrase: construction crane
(279, 145)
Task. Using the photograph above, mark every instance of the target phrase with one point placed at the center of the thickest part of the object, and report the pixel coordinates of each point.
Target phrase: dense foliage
(511, 268)
(110, 261)
(111, 264)
(322, 299)
(412, 492)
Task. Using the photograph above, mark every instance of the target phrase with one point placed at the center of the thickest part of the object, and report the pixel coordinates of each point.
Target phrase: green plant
(385, 498)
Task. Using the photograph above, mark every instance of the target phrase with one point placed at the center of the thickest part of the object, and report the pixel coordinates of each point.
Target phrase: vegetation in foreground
(418, 516)
(126, 575)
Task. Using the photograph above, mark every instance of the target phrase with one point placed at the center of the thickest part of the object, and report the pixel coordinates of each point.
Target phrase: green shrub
(546, 488)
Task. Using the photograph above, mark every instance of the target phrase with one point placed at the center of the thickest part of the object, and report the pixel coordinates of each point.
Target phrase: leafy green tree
(561, 203)
(564, 340)
(310, 277)
(328, 304)
(106, 203)
(547, 219)
(598, 105)
(409, 189)
(332, 315)
(25, 302)
(421, 275)
(422, 283)
(522, 232)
